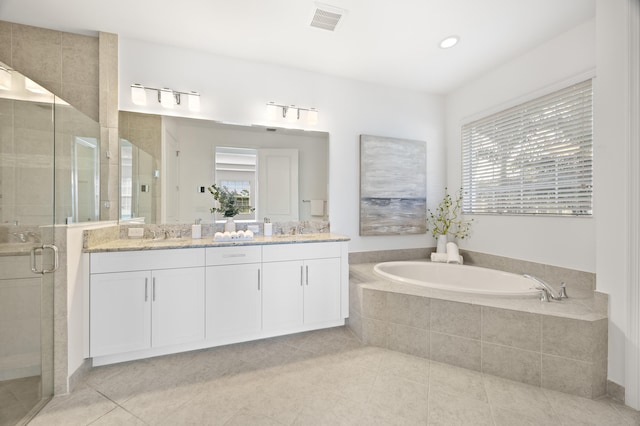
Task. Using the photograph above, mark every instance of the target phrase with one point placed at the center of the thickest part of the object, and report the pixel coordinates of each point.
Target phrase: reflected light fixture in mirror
(34, 87)
(5, 78)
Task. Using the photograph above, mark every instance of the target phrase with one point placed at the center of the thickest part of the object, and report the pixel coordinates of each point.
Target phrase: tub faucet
(548, 293)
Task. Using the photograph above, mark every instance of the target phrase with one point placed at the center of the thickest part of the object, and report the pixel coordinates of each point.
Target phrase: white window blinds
(534, 158)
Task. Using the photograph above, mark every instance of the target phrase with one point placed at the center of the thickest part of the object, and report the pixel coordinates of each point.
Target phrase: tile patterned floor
(318, 378)
(17, 397)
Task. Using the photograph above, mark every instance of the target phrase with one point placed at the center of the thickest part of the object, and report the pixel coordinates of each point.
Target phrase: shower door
(27, 250)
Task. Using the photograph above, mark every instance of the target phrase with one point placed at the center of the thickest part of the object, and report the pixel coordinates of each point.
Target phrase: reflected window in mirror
(126, 179)
(236, 169)
(85, 173)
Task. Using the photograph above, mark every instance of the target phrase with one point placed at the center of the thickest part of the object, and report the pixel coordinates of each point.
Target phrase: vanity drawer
(300, 251)
(124, 261)
(234, 255)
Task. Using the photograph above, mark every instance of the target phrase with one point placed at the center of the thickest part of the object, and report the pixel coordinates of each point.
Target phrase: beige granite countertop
(176, 243)
(586, 306)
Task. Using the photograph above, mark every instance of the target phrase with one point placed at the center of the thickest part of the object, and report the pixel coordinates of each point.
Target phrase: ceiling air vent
(326, 17)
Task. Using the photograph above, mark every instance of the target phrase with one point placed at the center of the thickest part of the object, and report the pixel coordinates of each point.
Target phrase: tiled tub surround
(556, 345)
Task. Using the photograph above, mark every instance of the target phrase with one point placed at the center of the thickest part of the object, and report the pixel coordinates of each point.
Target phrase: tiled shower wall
(65, 64)
(82, 70)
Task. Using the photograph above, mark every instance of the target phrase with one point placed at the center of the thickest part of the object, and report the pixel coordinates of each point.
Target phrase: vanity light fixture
(194, 101)
(291, 113)
(449, 42)
(168, 98)
(312, 116)
(138, 95)
(5, 78)
(272, 111)
(165, 97)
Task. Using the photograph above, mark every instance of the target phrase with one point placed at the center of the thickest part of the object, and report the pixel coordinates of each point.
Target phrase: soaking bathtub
(458, 278)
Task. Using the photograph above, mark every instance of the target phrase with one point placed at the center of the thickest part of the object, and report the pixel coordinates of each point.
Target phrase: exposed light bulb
(272, 111)
(312, 117)
(166, 98)
(194, 101)
(5, 79)
(34, 87)
(138, 95)
(292, 114)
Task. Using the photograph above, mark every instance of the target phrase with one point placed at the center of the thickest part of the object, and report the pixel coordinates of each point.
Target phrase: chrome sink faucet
(547, 292)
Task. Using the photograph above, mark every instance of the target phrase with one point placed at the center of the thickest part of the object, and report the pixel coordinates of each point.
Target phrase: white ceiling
(382, 41)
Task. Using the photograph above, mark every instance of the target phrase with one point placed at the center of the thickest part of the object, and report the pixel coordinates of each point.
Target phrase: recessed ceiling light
(449, 42)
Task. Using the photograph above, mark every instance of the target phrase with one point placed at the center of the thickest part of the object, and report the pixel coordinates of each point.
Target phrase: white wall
(612, 172)
(566, 242)
(237, 91)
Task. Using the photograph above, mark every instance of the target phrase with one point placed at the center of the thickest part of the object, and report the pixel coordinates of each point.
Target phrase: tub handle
(547, 292)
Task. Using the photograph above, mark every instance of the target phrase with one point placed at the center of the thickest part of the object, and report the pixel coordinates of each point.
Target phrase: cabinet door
(282, 295)
(234, 306)
(120, 312)
(177, 306)
(322, 290)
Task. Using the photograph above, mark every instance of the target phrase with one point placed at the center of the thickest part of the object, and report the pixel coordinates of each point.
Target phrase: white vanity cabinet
(120, 313)
(301, 293)
(233, 293)
(155, 299)
(154, 302)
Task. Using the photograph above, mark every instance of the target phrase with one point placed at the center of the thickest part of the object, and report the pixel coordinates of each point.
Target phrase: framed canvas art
(393, 186)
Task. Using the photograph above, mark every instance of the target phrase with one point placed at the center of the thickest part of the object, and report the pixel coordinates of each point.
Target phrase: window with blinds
(534, 158)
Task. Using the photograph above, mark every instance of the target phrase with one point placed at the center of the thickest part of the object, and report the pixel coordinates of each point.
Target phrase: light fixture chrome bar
(291, 112)
(290, 106)
(138, 96)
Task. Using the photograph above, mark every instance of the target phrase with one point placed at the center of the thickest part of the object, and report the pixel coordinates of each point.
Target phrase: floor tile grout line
(118, 405)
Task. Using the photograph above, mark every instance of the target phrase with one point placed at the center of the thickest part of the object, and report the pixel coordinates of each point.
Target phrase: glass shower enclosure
(49, 176)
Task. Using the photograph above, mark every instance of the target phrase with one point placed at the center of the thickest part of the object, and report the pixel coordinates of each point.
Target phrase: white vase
(442, 244)
(230, 225)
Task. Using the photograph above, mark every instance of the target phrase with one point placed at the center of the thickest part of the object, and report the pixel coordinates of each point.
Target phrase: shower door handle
(56, 262)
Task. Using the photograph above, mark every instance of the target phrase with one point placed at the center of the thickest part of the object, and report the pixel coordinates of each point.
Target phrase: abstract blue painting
(393, 186)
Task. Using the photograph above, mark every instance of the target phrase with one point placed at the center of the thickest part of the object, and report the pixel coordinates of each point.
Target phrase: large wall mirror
(167, 164)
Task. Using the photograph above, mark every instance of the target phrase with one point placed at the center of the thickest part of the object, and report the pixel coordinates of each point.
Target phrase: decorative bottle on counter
(442, 244)
(230, 225)
(268, 227)
(196, 230)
